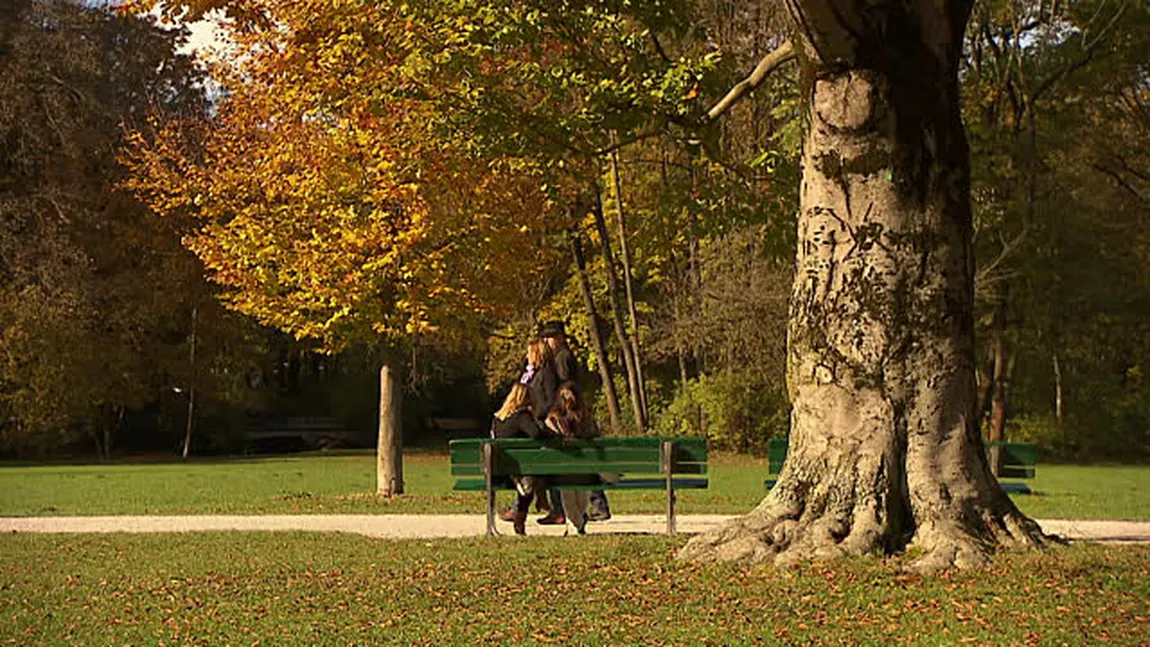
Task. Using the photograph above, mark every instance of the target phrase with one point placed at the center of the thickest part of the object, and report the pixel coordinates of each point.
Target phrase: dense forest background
(113, 332)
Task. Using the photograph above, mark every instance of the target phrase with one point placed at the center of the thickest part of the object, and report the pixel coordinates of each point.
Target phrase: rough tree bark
(389, 453)
(885, 452)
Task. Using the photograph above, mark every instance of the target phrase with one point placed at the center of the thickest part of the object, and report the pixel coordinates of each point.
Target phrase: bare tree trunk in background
(190, 422)
(997, 430)
(625, 253)
(985, 385)
(596, 334)
(389, 453)
(111, 430)
(1057, 389)
(97, 437)
(677, 295)
(617, 316)
(885, 452)
(695, 274)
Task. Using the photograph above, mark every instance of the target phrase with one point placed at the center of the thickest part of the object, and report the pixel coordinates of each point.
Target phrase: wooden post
(667, 462)
(489, 484)
(389, 453)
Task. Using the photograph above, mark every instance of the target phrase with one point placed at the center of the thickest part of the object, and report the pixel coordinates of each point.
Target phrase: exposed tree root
(947, 544)
(776, 533)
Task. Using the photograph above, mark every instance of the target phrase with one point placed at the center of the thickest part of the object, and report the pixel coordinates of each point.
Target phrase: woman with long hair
(570, 418)
(540, 377)
(515, 420)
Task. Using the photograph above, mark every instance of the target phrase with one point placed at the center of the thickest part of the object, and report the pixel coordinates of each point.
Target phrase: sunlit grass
(299, 588)
(344, 483)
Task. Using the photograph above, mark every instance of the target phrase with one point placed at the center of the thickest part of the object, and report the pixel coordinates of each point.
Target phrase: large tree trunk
(389, 453)
(885, 452)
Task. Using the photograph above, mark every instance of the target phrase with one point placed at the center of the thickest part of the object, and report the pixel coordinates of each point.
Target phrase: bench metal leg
(667, 460)
(489, 481)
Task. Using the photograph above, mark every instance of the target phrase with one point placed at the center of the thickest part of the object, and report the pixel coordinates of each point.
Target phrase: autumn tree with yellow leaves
(330, 203)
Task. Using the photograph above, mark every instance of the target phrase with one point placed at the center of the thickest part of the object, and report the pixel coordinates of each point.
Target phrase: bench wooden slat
(559, 454)
(687, 450)
(509, 466)
(1014, 487)
(523, 456)
(474, 485)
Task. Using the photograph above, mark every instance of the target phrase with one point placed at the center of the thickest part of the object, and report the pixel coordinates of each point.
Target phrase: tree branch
(768, 64)
(1123, 184)
(659, 48)
(645, 133)
(1088, 50)
(986, 275)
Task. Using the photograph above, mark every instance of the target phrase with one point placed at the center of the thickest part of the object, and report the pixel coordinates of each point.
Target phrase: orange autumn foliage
(329, 202)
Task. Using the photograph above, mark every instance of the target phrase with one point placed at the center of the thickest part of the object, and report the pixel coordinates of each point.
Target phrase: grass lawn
(341, 483)
(323, 589)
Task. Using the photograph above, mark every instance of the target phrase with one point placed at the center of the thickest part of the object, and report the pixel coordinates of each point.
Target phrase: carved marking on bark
(845, 101)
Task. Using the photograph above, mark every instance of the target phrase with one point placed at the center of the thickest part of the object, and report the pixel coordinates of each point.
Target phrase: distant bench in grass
(483, 464)
(1016, 461)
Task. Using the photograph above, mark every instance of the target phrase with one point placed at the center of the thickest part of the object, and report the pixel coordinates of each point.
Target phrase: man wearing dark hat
(554, 333)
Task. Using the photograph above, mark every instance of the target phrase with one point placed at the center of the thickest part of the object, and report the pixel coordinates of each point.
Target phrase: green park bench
(1017, 462)
(776, 456)
(481, 464)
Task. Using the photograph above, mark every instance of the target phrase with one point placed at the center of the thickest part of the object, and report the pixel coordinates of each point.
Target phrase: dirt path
(424, 526)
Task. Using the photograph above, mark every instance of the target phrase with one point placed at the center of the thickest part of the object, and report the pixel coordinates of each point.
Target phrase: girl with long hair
(515, 420)
(570, 418)
(540, 377)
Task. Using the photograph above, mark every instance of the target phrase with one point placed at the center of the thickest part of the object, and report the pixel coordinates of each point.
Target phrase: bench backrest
(521, 456)
(776, 455)
(1018, 459)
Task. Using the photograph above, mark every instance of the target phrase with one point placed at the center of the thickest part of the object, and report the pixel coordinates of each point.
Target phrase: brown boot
(520, 523)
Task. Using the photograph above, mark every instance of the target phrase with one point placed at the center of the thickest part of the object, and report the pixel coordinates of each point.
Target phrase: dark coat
(542, 387)
(566, 366)
(520, 424)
